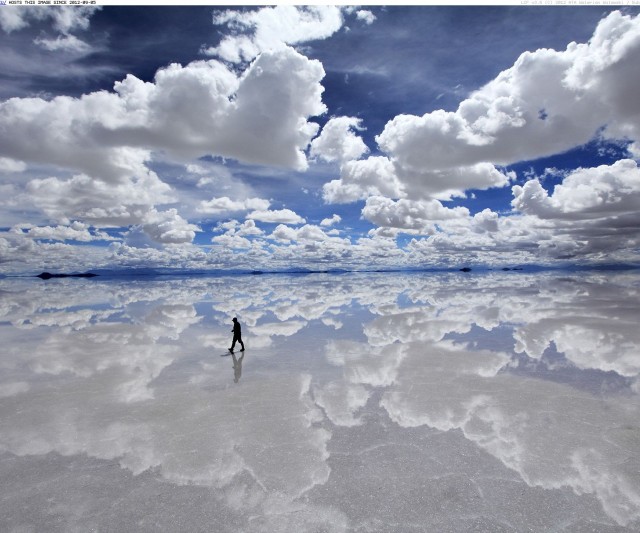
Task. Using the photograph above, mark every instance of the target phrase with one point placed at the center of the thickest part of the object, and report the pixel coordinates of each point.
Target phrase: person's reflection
(237, 367)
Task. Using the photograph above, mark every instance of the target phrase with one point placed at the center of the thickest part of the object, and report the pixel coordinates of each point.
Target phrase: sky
(318, 137)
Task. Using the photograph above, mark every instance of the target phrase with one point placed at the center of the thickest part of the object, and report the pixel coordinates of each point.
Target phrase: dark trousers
(237, 338)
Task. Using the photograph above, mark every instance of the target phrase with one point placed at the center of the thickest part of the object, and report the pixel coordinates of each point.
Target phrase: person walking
(237, 335)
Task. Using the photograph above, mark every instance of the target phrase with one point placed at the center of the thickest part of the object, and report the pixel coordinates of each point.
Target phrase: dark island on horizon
(48, 275)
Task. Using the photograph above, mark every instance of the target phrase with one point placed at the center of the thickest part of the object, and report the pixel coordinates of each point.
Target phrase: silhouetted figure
(237, 366)
(237, 335)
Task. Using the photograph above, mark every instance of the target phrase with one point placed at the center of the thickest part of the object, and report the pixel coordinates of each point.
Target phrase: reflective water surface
(364, 402)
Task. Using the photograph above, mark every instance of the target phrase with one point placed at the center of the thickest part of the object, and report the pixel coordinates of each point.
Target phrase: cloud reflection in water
(131, 372)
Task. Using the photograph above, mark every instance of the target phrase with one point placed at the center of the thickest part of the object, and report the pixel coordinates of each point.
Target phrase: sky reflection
(421, 397)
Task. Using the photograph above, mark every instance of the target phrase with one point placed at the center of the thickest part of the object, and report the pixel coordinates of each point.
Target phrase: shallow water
(363, 402)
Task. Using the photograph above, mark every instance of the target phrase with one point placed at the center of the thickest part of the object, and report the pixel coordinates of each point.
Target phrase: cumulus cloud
(276, 216)
(586, 193)
(105, 140)
(248, 227)
(232, 241)
(409, 215)
(593, 212)
(380, 175)
(375, 176)
(337, 142)
(168, 227)
(284, 233)
(239, 235)
(514, 117)
(76, 231)
(335, 219)
(225, 205)
(204, 108)
(97, 201)
(97, 170)
(591, 216)
(308, 233)
(366, 16)
(272, 28)
(501, 122)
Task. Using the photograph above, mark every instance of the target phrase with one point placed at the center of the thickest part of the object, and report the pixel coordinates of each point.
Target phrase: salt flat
(363, 402)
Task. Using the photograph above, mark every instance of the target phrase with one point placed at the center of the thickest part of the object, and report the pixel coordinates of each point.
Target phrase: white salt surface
(363, 402)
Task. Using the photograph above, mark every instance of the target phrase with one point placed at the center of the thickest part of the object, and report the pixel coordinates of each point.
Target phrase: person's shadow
(237, 367)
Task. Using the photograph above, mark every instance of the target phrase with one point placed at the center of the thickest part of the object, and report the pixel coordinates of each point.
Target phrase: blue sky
(322, 137)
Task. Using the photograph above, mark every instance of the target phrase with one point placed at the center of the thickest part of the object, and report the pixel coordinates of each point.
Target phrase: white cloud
(225, 205)
(236, 235)
(167, 256)
(312, 246)
(66, 42)
(284, 233)
(585, 193)
(275, 216)
(104, 141)
(514, 117)
(592, 216)
(168, 227)
(11, 165)
(366, 16)
(64, 18)
(409, 215)
(272, 28)
(593, 213)
(15, 18)
(486, 220)
(77, 231)
(379, 175)
(232, 241)
(97, 201)
(335, 219)
(20, 254)
(312, 233)
(196, 169)
(205, 108)
(337, 142)
(248, 227)
(374, 176)
(500, 121)
(276, 96)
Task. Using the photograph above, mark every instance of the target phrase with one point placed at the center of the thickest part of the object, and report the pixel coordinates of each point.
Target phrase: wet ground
(363, 402)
